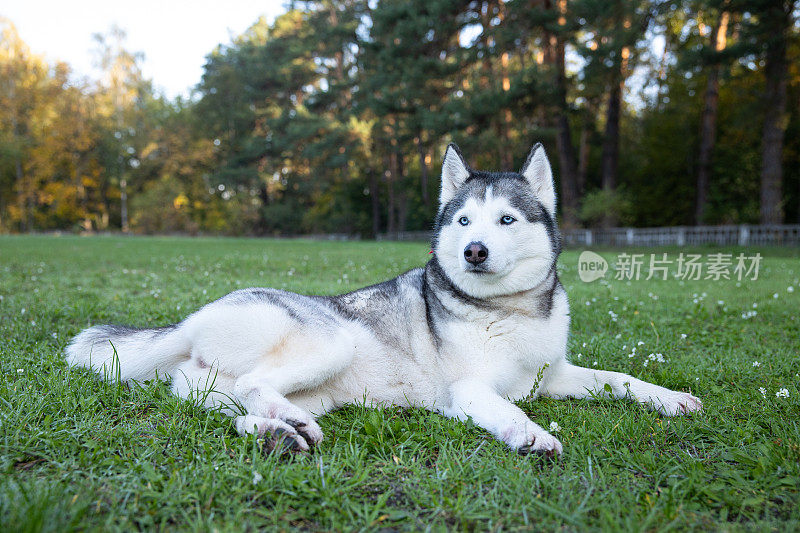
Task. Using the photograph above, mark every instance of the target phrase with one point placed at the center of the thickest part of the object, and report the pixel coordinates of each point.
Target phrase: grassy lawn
(77, 453)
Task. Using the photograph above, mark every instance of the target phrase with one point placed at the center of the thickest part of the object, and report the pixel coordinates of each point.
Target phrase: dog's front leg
(479, 401)
(567, 380)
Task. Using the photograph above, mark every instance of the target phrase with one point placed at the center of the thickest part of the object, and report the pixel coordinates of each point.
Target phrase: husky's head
(496, 232)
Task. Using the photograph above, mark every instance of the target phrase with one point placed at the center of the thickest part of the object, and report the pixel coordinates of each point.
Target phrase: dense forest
(334, 117)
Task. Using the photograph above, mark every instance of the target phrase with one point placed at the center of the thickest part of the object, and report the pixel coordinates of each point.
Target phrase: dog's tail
(124, 353)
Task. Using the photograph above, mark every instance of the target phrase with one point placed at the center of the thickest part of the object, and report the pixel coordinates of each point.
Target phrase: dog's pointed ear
(540, 176)
(454, 173)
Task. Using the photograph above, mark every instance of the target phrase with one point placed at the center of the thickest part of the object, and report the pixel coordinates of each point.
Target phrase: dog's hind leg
(564, 380)
(206, 385)
(277, 430)
(301, 362)
(268, 411)
(275, 417)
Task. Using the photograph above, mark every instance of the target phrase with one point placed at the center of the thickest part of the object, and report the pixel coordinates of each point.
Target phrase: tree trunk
(567, 166)
(390, 173)
(263, 195)
(611, 148)
(23, 203)
(123, 208)
(662, 71)
(775, 121)
(583, 157)
(506, 150)
(566, 152)
(343, 97)
(376, 205)
(24, 220)
(423, 171)
(401, 211)
(708, 122)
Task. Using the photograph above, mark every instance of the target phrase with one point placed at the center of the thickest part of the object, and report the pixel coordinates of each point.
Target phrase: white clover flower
(639, 343)
(763, 392)
(789, 289)
(257, 478)
(683, 336)
(554, 427)
(782, 393)
(594, 364)
(756, 363)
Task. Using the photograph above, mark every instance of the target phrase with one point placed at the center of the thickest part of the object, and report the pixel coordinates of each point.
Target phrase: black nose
(476, 253)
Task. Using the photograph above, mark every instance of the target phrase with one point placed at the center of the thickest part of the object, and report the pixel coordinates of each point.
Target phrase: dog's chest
(500, 345)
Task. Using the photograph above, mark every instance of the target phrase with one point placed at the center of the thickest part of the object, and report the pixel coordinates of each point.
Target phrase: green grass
(77, 453)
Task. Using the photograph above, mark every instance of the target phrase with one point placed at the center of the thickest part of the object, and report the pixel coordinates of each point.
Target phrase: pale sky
(175, 35)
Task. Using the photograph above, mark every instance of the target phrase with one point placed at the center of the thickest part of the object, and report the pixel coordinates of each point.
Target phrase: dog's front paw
(676, 403)
(530, 438)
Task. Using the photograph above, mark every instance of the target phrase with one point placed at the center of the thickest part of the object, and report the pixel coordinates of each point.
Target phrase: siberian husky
(482, 325)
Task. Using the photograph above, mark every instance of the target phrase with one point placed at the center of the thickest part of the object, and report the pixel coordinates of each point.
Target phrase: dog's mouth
(478, 269)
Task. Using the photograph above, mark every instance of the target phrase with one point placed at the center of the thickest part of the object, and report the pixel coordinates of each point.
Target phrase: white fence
(741, 235)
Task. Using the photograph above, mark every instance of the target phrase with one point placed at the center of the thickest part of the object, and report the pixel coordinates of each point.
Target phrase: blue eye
(507, 219)
(463, 221)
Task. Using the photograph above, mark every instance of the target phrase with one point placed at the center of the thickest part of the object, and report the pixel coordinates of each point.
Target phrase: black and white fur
(464, 336)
